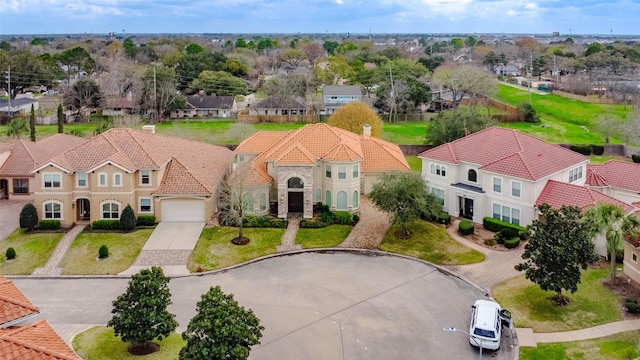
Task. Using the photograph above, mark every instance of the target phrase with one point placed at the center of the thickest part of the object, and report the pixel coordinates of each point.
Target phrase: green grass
(558, 132)
(123, 250)
(619, 346)
(32, 251)
(99, 343)
(532, 307)
(414, 162)
(432, 243)
(605, 158)
(325, 237)
(214, 249)
(278, 127)
(405, 133)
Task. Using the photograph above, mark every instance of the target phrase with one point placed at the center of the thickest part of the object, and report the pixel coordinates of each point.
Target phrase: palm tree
(16, 127)
(611, 220)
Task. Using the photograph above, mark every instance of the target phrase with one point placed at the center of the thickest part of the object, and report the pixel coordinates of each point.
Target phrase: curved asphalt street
(337, 305)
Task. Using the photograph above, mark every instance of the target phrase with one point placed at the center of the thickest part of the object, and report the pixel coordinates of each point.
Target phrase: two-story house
(172, 178)
(334, 96)
(315, 164)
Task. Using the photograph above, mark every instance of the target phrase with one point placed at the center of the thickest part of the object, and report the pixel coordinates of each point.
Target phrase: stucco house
(207, 106)
(172, 178)
(619, 179)
(279, 105)
(334, 96)
(18, 157)
(315, 164)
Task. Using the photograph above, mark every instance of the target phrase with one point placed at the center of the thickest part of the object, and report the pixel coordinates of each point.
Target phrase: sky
(614, 17)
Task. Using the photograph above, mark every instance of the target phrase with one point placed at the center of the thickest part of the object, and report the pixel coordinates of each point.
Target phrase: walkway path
(370, 230)
(52, 267)
(526, 336)
(289, 236)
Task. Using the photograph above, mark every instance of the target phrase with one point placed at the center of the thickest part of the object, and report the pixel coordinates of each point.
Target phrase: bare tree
(236, 199)
(464, 80)
(313, 52)
(608, 125)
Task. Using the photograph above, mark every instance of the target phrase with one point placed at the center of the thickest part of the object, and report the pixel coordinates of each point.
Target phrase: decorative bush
(444, 218)
(28, 217)
(278, 223)
(106, 225)
(527, 113)
(10, 254)
(582, 149)
(597, 149)
(632, 307)
(127, 219)
(343, 218)
(512, 243)
(49, 224)
(630, 299)
(103, 252)
(312, 224)
(465, 227)
(146, 220)
(496, 225)
(327, 217)
(524, 234)
(635, 158)
(489, 242)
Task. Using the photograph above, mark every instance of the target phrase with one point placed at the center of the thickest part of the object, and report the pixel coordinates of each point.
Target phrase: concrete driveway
(169, 246)
(321, 306)
(10, 215)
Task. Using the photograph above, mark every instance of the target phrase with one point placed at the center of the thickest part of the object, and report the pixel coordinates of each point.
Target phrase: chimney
(149, 128)
(366, 131)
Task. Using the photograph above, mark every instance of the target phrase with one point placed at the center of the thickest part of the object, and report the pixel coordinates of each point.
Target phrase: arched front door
(295, 187)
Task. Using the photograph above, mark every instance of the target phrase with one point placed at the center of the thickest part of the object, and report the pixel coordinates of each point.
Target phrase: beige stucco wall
(631, 268)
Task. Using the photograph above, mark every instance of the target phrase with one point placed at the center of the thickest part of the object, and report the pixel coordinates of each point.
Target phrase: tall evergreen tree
(60, 119)
(32, 124)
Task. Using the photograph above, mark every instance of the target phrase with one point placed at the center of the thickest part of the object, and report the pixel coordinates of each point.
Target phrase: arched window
(263, 202)
(472, 175)
(110, 210)
(295, 183)
(327, 198)
(356, 199)
(342, 200)
(52, 210)
(248, 198)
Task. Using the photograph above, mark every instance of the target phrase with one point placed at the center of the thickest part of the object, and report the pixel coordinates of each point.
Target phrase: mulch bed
(143, 349)
(480, 234)
(624, 288)
(240, 241)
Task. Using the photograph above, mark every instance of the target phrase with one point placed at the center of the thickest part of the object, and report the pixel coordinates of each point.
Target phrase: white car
(487, 318)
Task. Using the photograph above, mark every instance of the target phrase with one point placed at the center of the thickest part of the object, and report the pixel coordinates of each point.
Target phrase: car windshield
(485, 333)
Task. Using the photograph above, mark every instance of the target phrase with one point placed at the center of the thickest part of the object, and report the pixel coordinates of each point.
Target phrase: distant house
(17, 107)
(120, 106)
(334, 96)
(207, 106)
(619, 179)
(277, 105)
(18, 157)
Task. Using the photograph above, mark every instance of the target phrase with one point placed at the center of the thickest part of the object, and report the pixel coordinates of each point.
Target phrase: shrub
(103, 252)
(444, 218)
(635, 158)
(327, 217)
(597, 149)
(524, 234)
(127, 219)
(343, 218)
(146, 220)
(49, 224)
(28, 217)
(465, 227)
(312, 224)
(582, 149)
(489, 242)
(512, 243)
(106, 225)
(527, 113)
(10, 254)
(356, 218)
(632, 307)
(278, 223)
(496, 225)
(633, 300)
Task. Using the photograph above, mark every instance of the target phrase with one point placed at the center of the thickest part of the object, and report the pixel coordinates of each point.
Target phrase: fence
(585, 98)
(277, 119)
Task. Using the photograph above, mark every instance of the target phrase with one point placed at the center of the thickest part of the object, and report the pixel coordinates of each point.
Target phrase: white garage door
(182, 210)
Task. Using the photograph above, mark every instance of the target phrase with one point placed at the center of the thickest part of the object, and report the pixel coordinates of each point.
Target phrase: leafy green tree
(335, 70)
(220, 83)
(85, 93)
(451, 125)
(241, 43)
(60, 115)
(32, 124)
(28, 217)
(159, 92)
(615, 224)
(140, 314)
(528, 113)
(27, 69)
(194, 49)
(5, 45)
(353, 116)
(75, 60)
(559, 247)
(16, 127)
(293, 57)
(127, 219)
(221, 329)
(190, 66)
(330, 47)
(405, 196)
(432, 62)
(594, 47)
(235, 67)
(130, 48)
(493, 61)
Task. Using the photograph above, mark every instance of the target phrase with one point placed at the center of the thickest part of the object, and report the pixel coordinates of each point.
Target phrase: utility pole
(155, 95)
(393, 98)
(530, 77)
(9, 90)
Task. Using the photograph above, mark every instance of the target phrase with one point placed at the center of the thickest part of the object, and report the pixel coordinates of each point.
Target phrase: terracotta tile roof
(34, 342)
(508, 152)
(27, 155)
(615, 173)
(296, 155)
(253, 175)
(380, 155)
(13, 304)
(260, 141)
(136, 150)
(557, 194)
(178, 180)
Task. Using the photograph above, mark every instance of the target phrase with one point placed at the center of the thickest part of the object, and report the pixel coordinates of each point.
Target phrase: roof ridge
(140, 146)
(21, 142)
(170, 163)
(19, 303)
(382, 144)
(8, 337)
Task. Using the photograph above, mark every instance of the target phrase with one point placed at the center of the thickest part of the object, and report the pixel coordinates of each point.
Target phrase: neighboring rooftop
(615, 173)
(27, 155)
(557, 194)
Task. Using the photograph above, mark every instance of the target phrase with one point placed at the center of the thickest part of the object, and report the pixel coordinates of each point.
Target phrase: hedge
(106, 225)
(512, 243)
(496, 225)
(582, 149)
(49, 225)
(597, 149)
(465, 227)
(146, 220)
(635, 158)
(263, 221)
(444, 218)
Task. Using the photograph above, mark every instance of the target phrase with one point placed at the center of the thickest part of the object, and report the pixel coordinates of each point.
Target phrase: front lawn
(325, 237)
(81, 259)
(431, 243)
(619, 346)
(32, 251)
(531, 307)
(405, 133)
(414, 162)
(214, 249)
(99, 343)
